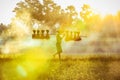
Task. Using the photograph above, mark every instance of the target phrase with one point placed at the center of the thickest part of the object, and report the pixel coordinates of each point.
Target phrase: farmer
(58, 45)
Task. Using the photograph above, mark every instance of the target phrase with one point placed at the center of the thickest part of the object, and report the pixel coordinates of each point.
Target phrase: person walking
(58, 45)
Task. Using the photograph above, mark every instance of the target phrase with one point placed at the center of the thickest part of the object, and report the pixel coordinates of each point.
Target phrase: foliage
(2, 28)
(46, 12)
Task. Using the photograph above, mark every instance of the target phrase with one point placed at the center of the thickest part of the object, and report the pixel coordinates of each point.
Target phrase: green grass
(32, 64)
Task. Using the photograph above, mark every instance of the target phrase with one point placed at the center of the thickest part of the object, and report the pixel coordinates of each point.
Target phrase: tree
(91, 19)
(110, 27)
(3, 28)
(48, 13)
(70, 14)
(28, 11)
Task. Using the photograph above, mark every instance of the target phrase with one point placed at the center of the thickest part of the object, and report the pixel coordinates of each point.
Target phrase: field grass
(71, 67)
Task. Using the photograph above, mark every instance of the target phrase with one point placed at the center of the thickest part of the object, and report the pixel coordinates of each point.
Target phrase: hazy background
(98, 20)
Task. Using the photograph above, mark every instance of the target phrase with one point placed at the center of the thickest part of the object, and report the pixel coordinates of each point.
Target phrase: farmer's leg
(55, 54)
(59, 54)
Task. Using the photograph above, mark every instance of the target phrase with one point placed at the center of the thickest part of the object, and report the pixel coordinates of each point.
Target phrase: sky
(101, 6)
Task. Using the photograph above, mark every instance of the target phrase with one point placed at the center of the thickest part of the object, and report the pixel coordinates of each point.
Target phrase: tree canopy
(46, 12)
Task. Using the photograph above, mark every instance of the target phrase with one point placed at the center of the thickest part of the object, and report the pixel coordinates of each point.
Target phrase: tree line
(48, 13)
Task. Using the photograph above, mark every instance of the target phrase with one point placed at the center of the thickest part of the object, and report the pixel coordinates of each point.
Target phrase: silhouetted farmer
(58, 45)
